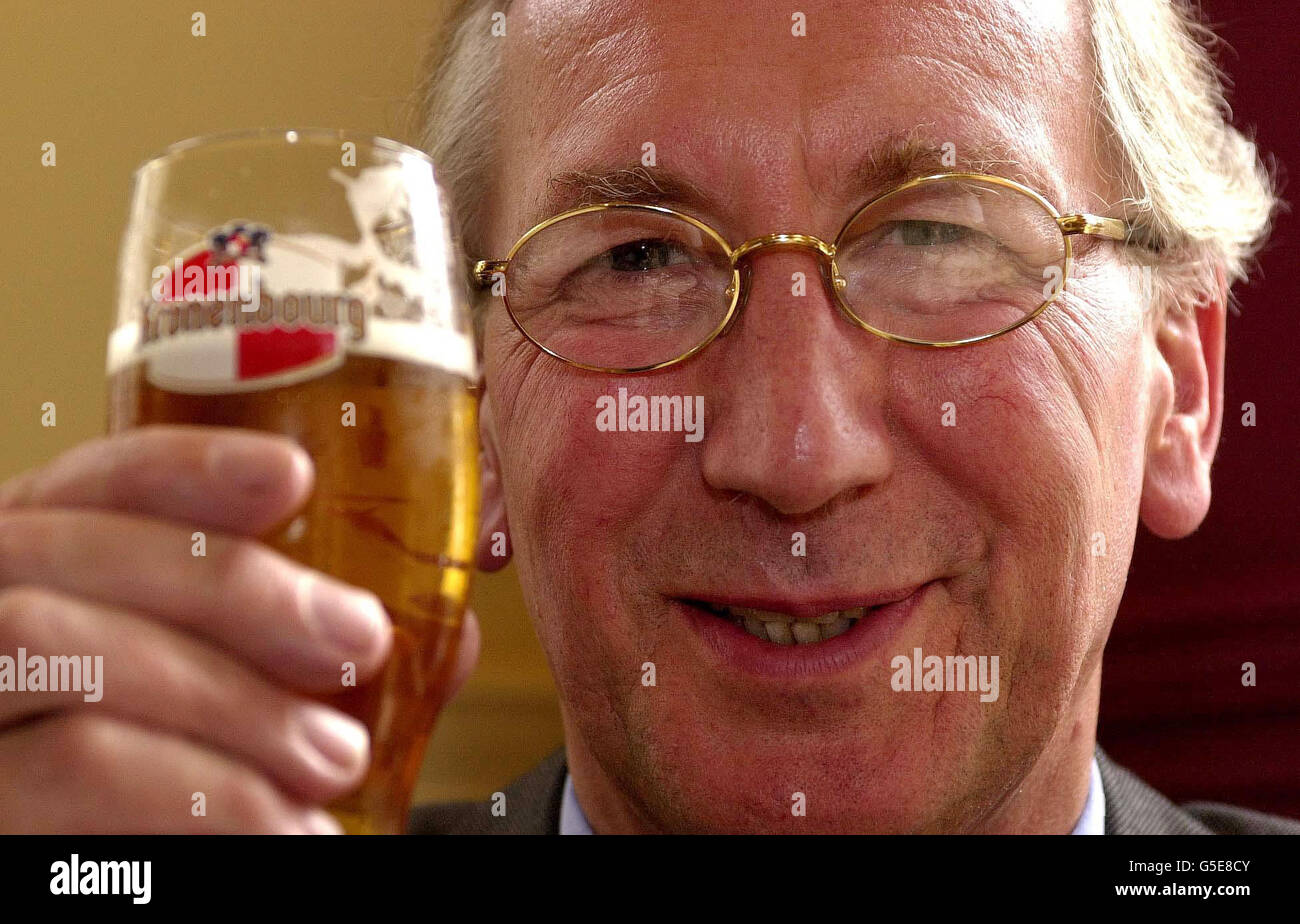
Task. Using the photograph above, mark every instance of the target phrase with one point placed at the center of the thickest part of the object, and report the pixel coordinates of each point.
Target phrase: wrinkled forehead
(724, 87)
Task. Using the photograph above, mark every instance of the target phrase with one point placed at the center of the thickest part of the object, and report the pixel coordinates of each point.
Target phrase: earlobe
(1185, 390)
(493, 550)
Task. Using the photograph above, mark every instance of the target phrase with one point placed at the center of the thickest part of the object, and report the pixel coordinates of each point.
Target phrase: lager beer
(391, 509)
(347, 333)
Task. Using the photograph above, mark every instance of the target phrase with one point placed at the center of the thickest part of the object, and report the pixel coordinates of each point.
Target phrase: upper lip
(805, 607)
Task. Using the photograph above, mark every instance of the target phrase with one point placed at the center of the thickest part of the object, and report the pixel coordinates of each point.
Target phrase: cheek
(1001, 429)
(567, 480)
(1046, 417)
(566, 470)
(1045, 450)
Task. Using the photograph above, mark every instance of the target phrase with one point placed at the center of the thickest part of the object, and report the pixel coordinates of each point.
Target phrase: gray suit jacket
(1132, 807)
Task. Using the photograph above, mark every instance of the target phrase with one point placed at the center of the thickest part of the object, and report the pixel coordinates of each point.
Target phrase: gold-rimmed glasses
(939, 261)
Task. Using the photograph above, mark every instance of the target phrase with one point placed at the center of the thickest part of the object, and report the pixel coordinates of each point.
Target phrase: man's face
(1015, 520)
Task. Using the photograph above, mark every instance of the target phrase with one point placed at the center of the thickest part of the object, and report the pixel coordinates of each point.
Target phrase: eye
(641, 256)
(916, 233)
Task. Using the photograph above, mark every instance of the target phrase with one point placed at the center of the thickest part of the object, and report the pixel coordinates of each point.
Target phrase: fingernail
(349, 619)
(340, 739)
(319, 821)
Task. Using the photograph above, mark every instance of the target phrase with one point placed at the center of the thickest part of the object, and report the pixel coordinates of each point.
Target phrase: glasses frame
(485, 272)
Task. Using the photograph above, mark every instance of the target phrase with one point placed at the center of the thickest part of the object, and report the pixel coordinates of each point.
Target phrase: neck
(608, 810)
(1050, 797)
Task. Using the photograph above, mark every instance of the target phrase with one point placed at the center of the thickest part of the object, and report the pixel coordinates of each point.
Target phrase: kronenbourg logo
(246, 310)
(250, 306)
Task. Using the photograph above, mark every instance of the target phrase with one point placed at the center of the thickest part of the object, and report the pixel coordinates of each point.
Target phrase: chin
(698, 780)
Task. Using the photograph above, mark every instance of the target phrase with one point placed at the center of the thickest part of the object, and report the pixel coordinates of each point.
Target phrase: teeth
(828, 618)
(805, 632)
(745, 612)
(783, 629)
(838, 627)
(779, 632)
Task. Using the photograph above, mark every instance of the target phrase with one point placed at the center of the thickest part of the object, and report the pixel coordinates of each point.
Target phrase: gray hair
(457, 118)
(1192, 178)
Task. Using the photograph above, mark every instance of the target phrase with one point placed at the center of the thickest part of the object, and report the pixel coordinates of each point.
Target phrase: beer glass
(306, 283)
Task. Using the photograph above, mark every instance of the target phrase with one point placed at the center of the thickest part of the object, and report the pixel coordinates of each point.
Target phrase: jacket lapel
(532, 806)
(1133, 807)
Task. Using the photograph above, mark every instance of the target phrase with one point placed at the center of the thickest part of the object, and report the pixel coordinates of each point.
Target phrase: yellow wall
(110, 83)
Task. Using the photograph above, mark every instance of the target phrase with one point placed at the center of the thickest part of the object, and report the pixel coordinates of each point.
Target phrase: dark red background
(1173, 707)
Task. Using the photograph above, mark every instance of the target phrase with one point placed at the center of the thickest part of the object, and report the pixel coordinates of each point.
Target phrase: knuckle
(17, 534)
(184, 682)
(236, 561)
(24, 607)
(18, 490)
(19, 600)
(133, 467)
(85, 746)
(252, 801)
(245, 567)
(125, 460)
(30, 540)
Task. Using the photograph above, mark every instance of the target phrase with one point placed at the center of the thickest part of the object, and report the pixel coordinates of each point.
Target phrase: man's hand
(202, 654)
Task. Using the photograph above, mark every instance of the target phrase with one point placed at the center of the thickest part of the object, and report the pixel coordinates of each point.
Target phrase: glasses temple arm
(485, 271)
(1117, 229)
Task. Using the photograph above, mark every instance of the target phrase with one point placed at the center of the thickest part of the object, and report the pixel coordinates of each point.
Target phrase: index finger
(234, 480)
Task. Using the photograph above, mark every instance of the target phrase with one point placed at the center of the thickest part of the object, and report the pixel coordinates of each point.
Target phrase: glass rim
(232, 137)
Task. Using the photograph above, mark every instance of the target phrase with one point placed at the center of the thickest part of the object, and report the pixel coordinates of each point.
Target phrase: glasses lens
(950, 259)
(619, 288)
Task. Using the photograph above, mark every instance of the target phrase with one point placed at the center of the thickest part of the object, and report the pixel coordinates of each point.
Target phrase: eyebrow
(888, 161)
(632, 183)
(904, 156)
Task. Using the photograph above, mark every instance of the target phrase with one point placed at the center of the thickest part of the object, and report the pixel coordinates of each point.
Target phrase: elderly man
(946, 501)
(820, 422)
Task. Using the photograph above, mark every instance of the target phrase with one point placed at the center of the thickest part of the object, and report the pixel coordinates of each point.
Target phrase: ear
(1185, 388)
(493, 550)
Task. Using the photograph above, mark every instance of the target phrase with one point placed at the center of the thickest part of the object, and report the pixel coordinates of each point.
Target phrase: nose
(797, 410)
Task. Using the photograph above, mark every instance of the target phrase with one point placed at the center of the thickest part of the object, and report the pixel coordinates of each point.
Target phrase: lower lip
(739, 651)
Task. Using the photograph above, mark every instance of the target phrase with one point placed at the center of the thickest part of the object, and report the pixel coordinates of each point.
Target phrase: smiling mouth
(784, 629)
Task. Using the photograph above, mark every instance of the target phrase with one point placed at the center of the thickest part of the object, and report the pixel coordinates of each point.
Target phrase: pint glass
(306, 283)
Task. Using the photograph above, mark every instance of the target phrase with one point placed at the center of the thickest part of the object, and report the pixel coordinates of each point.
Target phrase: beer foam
(410, 312)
